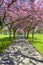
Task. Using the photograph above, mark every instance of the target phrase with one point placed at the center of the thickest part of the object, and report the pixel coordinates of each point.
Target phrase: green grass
(4, 42)
(37, 43)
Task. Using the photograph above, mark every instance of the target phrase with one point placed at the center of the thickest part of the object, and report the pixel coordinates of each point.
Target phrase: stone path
(21, 53)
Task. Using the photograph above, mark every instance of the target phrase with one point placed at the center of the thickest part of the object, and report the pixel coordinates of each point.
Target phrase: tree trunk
(24, 34)
(27, 34)
(33, 35)
(14, 34)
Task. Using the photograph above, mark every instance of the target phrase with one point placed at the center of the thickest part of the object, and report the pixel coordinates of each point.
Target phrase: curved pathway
(21, 53)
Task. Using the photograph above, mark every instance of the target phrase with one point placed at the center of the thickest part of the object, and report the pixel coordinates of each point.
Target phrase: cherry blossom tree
(25, 14)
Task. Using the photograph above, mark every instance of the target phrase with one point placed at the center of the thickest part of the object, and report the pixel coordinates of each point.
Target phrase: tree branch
(2, 2)
(11, 3)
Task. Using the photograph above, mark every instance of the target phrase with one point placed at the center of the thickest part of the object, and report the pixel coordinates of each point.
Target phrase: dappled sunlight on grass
(4, 42)
(39, 47)
(37, 43)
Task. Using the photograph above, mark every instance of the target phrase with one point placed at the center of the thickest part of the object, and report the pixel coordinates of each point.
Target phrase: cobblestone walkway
(21, 53)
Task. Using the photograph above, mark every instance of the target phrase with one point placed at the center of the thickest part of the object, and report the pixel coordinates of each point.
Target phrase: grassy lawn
(4, 42)
(38, 42)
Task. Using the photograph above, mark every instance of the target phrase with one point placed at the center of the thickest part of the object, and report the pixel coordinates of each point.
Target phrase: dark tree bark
(14, 33)
(27, 34)
(33, 35)
(4, 17)
(2, 20)
(1, 3)
(11, 3)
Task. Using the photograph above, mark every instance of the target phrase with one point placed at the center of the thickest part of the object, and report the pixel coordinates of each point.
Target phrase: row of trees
(23, 14)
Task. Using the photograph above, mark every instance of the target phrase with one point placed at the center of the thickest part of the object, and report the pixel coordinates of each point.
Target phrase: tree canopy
(21, 13)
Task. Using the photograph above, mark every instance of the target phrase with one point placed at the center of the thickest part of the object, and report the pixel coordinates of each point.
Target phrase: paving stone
(26, 60)
(22, 58)
(20, 64)
(20, 53)
(0, 58)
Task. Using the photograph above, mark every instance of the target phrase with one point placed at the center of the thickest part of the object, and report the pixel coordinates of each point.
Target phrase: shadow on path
(8, 58)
